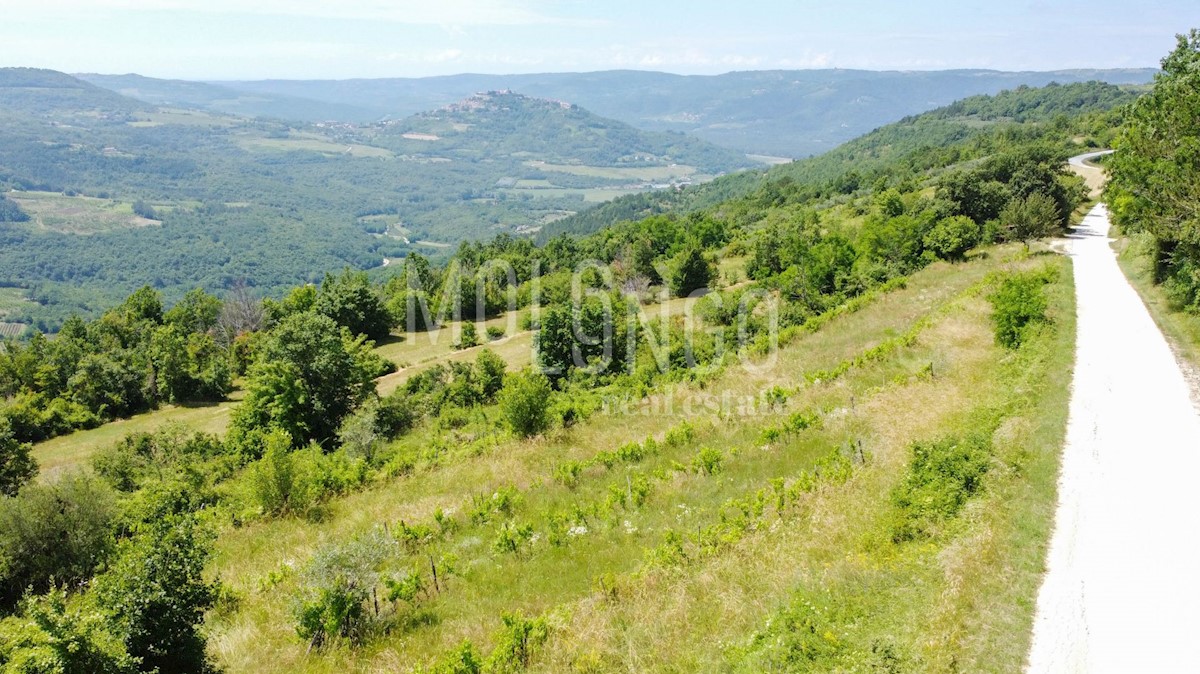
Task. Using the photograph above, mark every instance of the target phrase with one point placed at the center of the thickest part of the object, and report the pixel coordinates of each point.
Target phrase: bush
(286, 481)
(61, 531)
(335, 588)
(277, 480)
(467, 337)
(525, 401)
(1033, 217)
(952, 237)
(940, 479)
(494, 332)
(156, 593)
(397, 414)
(1018, 306)
(16, 465)
(490, 370)
(691, 272)
(52, 635)
(517, 644)
(708, 461)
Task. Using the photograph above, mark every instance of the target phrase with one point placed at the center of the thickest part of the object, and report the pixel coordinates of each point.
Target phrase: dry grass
(54, 212)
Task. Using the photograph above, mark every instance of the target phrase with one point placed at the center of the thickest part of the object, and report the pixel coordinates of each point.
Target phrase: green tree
(17, 467)
(352, 302)
(145, 305)
(1028, 218)
(196, 312)
(156, 595)
(952, 237)
(691, 272)
(309, 375)
(525, 401)
(1155, 185)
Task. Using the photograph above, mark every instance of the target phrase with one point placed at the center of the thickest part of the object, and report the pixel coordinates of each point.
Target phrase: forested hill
(52, 93)
(962, 130)
(101, 194)
(504, 124)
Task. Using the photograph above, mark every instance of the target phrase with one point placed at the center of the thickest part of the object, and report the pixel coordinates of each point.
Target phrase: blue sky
(250, 39)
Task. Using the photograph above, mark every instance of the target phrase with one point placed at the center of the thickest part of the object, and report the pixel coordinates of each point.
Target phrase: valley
(583, 372)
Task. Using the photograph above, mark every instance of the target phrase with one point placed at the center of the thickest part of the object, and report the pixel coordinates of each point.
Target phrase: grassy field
(312, 143)
(591, 195)
(179, 116)
(54, 212)
(632, 173)
(11, 300)
(915, 364)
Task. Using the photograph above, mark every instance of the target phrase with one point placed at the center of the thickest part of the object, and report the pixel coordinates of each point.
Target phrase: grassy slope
(1135, 255)
(967, 598)
(418, 352)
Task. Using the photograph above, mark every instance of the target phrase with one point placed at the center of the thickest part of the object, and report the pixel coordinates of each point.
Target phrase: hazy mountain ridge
(782, 112)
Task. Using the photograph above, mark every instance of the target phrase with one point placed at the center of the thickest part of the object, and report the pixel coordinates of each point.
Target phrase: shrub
(525, 400)
(156, 593)
(517, 644)
(708, 461)
(467, 337)
(940, 479)
(567, 474)
(494, 332)
(490, 370)
(60, 531)
(16, 465)
(277, 482)
(691, 272)
(52, 635)
(397, 414)
(1032, 217)
(952, 237)
(1018, 305)
(335, 587)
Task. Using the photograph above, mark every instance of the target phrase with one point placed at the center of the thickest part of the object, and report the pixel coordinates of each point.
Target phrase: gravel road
(1122, 590)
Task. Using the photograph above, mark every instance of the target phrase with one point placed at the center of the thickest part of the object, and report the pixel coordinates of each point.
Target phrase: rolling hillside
(842, 457)
(221, 199)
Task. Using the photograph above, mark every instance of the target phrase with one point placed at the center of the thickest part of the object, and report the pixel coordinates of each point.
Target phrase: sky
(339, 39)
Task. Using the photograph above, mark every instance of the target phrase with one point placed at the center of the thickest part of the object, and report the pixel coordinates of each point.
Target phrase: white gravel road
(1122, 591)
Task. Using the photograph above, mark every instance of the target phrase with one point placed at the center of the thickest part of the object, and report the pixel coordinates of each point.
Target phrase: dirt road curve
(1122, 592)
(1091, 173)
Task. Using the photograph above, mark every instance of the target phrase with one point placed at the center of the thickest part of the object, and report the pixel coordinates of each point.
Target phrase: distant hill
(917, 141)
(114, 193)
(48, 92)
(504, 123)
(216, 98)
(792, 113)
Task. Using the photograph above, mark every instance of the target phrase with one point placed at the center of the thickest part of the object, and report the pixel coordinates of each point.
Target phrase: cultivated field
(300, 141)
(54, 212)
